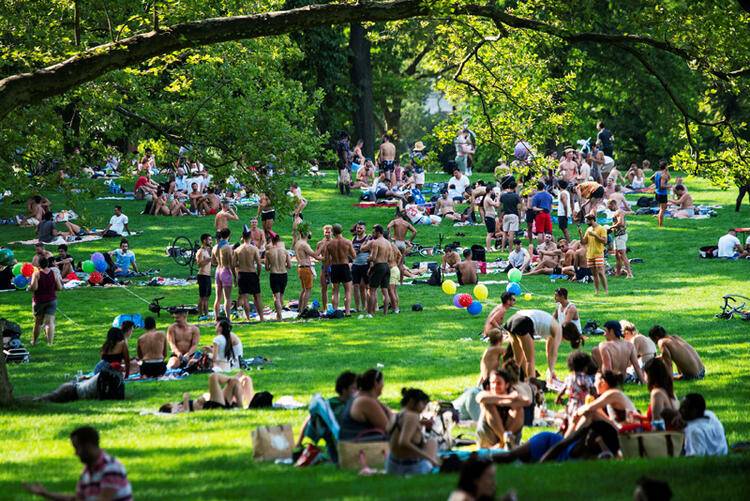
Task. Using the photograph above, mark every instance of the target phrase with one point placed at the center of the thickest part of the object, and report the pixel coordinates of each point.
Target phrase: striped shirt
(107, 473)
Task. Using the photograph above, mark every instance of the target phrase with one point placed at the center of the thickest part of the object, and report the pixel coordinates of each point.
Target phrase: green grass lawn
(208, 455)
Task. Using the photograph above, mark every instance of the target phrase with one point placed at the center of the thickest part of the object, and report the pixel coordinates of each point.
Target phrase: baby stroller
(13, 349)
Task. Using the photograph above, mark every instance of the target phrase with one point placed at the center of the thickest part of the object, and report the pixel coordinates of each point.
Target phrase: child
(578, 385)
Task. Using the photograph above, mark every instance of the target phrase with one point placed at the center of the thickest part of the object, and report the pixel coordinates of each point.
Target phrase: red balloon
(27, 270)
(71, 276)
(96, 278)
(465, 300)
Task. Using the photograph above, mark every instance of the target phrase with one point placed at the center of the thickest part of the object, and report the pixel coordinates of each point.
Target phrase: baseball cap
(615, 326)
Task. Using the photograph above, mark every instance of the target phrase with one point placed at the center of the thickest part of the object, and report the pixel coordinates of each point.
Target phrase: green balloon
(88, 266)
(17, 268)
(515, 275)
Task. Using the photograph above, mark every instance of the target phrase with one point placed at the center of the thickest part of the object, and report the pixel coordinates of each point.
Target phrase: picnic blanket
(370, 205)
(170, 375)
(123, 197)
(167, 281)
(60, 240)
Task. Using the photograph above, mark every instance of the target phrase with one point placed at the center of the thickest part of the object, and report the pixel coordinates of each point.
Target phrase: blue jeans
(395, 466)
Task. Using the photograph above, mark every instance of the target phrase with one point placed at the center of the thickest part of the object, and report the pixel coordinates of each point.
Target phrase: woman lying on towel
(237, 392)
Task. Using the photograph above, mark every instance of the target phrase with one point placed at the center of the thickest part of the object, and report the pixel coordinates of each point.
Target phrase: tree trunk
(77, 23)
(361, 75)
(6, 389)
(392, 118)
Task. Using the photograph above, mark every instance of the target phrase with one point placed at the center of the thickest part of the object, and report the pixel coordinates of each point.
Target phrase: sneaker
(308, 456)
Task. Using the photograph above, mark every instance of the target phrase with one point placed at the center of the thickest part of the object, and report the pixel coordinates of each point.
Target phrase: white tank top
(561, 317)
(561, 207)
(542, 321)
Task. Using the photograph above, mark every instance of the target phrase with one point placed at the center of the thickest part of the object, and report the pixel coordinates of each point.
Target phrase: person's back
(152, 345)
(619, 355)
(46, 289)
(728, 245)
(704, 436)
(510, 202)
(221, 362)
(276, 257)
(684, 356)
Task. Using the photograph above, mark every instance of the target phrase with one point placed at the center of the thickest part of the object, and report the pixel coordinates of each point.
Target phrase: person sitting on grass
(578, 385)
(645, 348)
(616, 355)
(237, 391)
(502, 409)
(124, 260)
(466, 270)
(704, 433)
(676, 350)
(103, 477)
(519, 258)
(661, 389)
(115, 352)
(63, 261)
(152, 350)
(183, 339)
(596, 440)
(313, 427)
(46, 231)
(490, 361)
(118, 224)
(450, 259)
(410, 453)
(729, 246)
(683, 202)
(611, 405)
(365, 413)
(476, 481)
(227, 348)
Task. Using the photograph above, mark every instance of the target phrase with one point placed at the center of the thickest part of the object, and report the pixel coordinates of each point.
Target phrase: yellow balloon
(527, 296)
(481, 292)
(449, 287)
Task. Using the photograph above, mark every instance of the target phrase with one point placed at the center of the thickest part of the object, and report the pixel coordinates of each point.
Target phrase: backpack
(367, 196)
(436, 278)
(309, 313)
(645, 202)
(110, 385)
(9, 329)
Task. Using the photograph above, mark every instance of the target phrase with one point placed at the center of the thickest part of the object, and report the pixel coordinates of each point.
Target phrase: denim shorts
(395, 466)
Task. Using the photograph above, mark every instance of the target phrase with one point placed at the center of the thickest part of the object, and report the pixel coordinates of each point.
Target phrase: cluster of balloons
(514, 284)
(97, 263)
(472, 305)
(22, 272)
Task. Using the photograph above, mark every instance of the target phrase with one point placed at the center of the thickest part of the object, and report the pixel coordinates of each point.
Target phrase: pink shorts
(223, 278)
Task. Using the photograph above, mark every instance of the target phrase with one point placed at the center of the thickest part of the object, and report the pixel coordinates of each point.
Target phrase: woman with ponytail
(227, 349)
(365, 417)
(410, 453)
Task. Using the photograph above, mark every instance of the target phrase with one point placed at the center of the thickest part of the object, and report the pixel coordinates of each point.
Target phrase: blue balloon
(475, 308)
(315, 304)
(513, 288)
(20, 281)
(100, 265)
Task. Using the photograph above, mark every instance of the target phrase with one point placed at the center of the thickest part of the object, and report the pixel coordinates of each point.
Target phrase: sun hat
(418, 146)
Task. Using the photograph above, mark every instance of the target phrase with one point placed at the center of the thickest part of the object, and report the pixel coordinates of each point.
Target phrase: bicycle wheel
(183, 251)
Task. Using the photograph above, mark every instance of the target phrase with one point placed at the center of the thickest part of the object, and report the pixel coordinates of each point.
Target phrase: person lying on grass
(237, 391)
(502, 408)
(410, 453)
(365, 413)
(595, 440)
(676, 350)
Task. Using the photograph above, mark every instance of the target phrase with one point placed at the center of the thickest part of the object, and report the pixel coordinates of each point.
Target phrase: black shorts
(204, 286)
(562, 222)
(380, 276)
(582, 273)
(387, 165)
(557, 270)
(210, 404)
(490, 224)
(530, 216)
(520, 326)
(598, 193)
(359, 273)
(153, 369)
(278, 282)
(248, 283)
(458, 277)
(265, 216)
(340, 273)
(661, 199)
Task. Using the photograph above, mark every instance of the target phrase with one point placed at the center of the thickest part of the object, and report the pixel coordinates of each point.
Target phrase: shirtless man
(497, 316)
(223, 258)
(203, 260)
(549, 258)
(257, 236)
(568, 167)
(152, 350)
(380, 273)
(398, 228)
(212, 202)
(490, 360)
(619, 231)
(338, 252)
(63, 261)
(615, 354)
(445, 207)
(360, 266)
(304, 252)
(677, 350)
(325, 265)
(267, 213)
(40, 252)
(248, 266)
(450, 259)
(226, 214)
(619, 199)
(198, 202)
(466, 270)
(683, 201)
(387, 156)
(394, 264)
(590, 194)
(278, 264)
(183, 340)
(365, 176)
